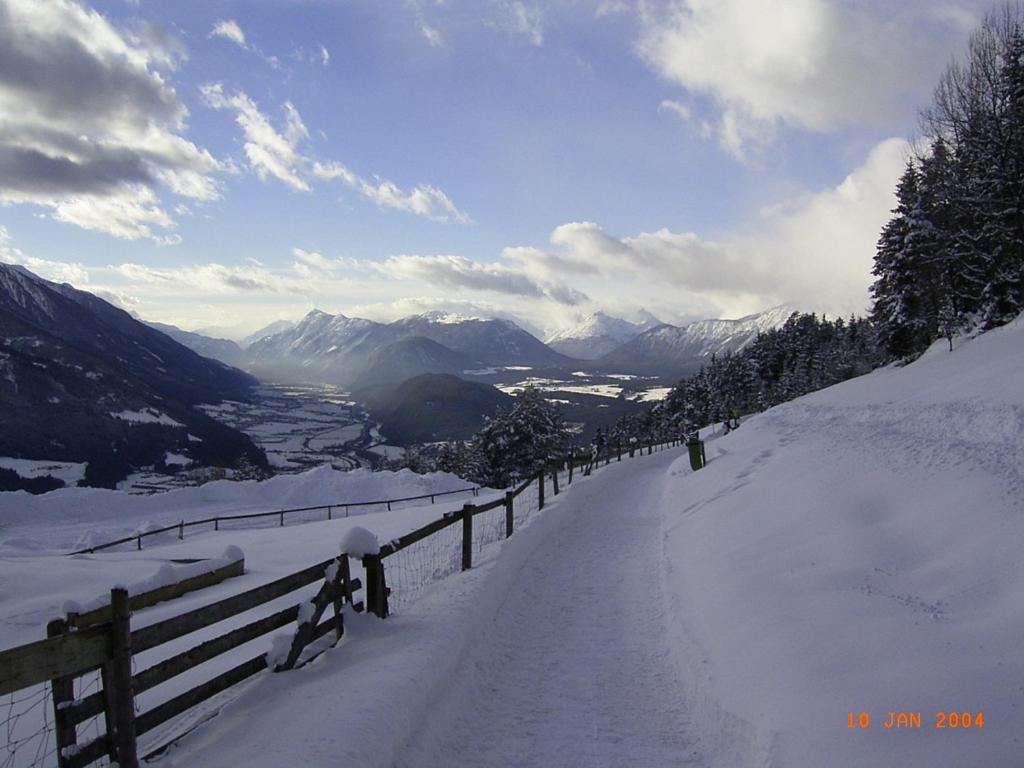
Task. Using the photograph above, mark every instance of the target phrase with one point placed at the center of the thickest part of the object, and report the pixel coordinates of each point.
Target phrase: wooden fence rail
(102, 639)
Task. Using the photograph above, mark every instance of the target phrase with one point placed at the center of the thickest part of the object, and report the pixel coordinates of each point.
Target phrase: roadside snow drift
(860, 549)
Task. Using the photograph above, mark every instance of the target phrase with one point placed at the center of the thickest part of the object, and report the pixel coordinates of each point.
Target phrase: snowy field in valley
(302, 426)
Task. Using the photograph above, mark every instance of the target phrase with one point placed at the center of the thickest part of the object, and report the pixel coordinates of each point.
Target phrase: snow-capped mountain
(495, 341)
(346, 350)
(278, 326)
(676, 350)
(81, 380)
(224, 350)
(597, 335)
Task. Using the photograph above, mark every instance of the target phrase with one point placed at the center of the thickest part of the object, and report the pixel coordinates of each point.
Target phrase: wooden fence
(104, 639)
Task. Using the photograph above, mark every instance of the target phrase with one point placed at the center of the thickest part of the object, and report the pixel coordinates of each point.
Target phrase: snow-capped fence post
(540, 488)
(467, 536)
(117, 683)
(509, 516)
(63, 693)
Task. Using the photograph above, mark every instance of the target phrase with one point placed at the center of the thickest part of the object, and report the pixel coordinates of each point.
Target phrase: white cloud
(325, 55)
(423, 199)
(88, 125)
(679, 109)
(459, 273)
(319, 261)
(270, 152)
(219, 279)
(812, 64)
(129, 217)
(517, 18)
(229, 30)
(815, 251)
(58, 271)
(278, 154)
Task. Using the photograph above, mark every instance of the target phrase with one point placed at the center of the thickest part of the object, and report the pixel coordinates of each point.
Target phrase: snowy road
(575, 669)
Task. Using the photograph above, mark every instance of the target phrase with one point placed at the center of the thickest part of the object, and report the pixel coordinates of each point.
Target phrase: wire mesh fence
(28, 728)
(27, 725)
(414, 567)
(488, 527)
(526, 504)
(94, 727)
(276, 519)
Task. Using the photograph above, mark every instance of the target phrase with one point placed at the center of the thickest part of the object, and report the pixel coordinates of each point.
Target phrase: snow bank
(165, 576)
(67, 515)
(859, 550)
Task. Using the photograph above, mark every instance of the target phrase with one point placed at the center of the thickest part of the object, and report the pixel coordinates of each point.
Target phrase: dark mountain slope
(434, 407)
(83, 381)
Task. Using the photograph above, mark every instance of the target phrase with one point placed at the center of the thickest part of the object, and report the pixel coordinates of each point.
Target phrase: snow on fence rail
(280, 515)
(82, 678)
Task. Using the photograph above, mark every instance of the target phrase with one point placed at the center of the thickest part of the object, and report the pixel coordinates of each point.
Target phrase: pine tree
(893, 309)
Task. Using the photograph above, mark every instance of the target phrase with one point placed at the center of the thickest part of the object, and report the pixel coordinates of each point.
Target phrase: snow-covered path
(575, 669)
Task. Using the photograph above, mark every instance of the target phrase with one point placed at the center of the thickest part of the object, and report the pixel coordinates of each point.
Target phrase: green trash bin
(696, 448)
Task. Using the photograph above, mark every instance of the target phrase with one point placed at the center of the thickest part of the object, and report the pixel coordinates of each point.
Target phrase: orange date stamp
(898, 720)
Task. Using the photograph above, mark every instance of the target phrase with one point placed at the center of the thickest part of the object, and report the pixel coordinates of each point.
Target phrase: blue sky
(225, 164)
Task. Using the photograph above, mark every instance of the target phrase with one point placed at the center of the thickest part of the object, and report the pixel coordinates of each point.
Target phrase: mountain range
(358, 353)
(682, 350)
(83, 381)
(598, 334)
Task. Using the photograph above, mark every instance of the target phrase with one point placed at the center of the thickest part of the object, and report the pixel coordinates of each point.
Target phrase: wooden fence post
(117, 683)
(509, 517)
(554, 478)
(63, 690)
(618, 449)
(376, 588)
(467, 536)
(341, 590)
(572, 461)
(540, 489)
